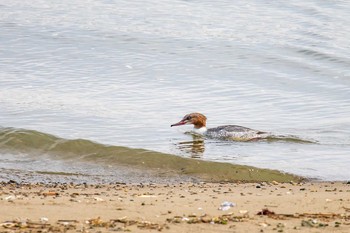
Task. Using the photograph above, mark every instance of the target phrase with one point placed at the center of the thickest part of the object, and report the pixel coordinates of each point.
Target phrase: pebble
(275, 182)
(262, 224)
(98, 199)
(10, 198)
(44, 219)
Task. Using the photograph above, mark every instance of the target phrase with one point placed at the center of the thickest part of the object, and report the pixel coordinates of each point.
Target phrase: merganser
(226, 132)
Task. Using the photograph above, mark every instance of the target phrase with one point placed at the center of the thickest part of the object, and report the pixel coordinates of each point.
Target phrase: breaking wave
(34, 143)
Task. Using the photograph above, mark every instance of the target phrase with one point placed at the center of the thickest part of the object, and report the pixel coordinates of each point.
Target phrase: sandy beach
(182, 207)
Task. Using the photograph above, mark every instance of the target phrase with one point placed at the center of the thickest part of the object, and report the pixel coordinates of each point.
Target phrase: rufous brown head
(196, 119)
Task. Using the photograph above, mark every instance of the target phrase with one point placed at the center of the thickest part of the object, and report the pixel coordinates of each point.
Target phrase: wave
(34, 143)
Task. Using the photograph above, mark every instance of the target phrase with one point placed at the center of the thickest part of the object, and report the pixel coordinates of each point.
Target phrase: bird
(225, 132)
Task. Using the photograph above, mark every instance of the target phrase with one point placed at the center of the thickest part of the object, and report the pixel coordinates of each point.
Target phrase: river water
(120, 72)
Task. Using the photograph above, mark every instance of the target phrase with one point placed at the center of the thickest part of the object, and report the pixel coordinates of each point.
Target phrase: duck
(225, 132)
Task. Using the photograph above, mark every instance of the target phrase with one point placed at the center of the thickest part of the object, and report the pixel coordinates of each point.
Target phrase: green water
(33, 143)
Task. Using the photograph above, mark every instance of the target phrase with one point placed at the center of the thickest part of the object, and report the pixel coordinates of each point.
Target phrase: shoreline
(130, 161)
(150, 191)
(181, 207)
(143, 168)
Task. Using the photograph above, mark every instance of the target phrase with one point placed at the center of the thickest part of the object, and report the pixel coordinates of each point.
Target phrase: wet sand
(186, 207)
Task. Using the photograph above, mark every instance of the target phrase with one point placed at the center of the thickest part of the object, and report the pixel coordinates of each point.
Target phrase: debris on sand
(226, 205)
(221, 219)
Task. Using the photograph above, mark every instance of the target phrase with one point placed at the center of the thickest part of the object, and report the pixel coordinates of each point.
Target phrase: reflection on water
(195, 148)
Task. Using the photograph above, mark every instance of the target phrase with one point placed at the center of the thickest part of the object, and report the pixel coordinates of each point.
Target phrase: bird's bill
(179, 123)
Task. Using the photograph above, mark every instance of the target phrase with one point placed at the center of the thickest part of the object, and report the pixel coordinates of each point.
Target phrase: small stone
(262, 224)
(98, 199)
(44, 219)
(10, 198)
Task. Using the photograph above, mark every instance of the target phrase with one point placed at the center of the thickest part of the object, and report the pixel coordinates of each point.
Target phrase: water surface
(120, 72)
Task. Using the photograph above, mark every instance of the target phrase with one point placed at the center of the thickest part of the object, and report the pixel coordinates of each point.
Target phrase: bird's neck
(201, 130)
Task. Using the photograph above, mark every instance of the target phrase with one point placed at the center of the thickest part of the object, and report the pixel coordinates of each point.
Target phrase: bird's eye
(188, 118)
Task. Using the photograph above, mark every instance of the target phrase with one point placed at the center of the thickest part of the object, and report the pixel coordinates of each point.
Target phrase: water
(120, 72)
